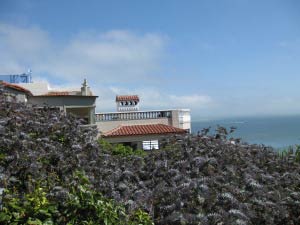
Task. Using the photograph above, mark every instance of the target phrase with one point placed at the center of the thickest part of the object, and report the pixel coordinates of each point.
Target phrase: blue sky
(227, 58)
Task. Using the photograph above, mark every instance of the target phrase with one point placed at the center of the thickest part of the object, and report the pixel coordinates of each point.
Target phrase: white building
(130, 126)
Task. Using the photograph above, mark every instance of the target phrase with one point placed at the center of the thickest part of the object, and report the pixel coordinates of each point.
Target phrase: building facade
(179, 118)
(81, 103)
(145, 137)
(149, 126)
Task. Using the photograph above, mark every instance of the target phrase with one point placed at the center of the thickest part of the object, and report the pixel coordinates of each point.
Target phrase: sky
(220, 58)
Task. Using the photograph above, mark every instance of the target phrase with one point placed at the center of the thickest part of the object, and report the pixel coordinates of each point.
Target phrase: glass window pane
(150, 145)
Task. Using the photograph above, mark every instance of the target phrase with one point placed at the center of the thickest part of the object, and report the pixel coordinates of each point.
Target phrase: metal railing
(141, 115)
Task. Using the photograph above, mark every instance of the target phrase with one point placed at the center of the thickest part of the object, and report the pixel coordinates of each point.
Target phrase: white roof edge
(146, 111)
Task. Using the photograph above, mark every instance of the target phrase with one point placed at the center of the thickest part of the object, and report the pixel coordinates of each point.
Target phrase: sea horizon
(278, 132)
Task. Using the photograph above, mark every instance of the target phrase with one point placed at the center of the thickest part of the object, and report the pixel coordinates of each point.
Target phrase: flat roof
(63, 94)
(158, 110)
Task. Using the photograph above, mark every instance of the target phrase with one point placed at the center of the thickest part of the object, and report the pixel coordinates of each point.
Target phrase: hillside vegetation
(54, 171)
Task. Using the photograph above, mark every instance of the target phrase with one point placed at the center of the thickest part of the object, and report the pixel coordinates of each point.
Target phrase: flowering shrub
(196, 180)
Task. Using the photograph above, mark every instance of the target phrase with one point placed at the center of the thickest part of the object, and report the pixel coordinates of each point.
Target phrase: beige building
(81, 103)
(128, 117)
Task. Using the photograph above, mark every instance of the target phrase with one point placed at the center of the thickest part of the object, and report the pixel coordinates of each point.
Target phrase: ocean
(278, 132)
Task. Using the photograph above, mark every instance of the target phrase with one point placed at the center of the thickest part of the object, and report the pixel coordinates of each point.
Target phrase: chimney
(85, 89)
(127, 103)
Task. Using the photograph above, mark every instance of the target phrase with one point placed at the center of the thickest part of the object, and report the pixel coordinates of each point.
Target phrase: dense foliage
(291, 151)
(80, 205)
(54, 170)
(43, 158)
(119, 149)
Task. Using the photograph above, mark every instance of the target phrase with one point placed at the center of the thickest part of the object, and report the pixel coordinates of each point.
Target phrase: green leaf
(48, 222)
(34, 222)
(4, 217)
(44, 212)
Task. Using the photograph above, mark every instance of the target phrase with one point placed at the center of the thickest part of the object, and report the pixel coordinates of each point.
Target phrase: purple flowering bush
(52, 168)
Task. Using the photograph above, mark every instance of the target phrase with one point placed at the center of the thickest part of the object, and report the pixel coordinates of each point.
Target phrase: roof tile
(143, 130)
(127, 98)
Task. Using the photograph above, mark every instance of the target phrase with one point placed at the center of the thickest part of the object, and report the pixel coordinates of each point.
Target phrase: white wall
(36, 88)
(180, 118)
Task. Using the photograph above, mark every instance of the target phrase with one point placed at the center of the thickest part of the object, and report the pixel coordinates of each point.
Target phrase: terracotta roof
(16, 87)
(143, 130)
(127, 98)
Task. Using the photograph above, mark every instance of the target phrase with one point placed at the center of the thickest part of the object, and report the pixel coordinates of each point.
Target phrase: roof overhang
(142, 130)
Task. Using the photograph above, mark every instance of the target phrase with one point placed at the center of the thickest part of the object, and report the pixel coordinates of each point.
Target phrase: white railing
(141, 115)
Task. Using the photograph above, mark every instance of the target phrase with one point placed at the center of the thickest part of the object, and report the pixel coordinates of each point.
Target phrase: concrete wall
(83, 107)
(179, 118)
(36, 88)
(184, 119)
(104, 126)
(62, 100)
(175, 119)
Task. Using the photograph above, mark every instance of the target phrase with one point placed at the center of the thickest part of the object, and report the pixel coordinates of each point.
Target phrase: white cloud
(21, 47)
(116, 56)
(115, 60)
(113, 56)
(152, 98)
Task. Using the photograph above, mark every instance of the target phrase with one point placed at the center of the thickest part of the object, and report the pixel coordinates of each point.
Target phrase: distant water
(278, 132)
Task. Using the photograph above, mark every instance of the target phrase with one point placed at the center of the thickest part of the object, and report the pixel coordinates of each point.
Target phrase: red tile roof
(143, 130)
(16, 87)
(127, 98)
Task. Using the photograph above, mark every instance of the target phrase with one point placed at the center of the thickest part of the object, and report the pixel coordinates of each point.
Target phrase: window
(150, 145)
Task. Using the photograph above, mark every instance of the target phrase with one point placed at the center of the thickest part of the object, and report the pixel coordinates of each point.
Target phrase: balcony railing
(141, 115)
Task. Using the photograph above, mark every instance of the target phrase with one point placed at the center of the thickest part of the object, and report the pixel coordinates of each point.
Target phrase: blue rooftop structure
(17, 78)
